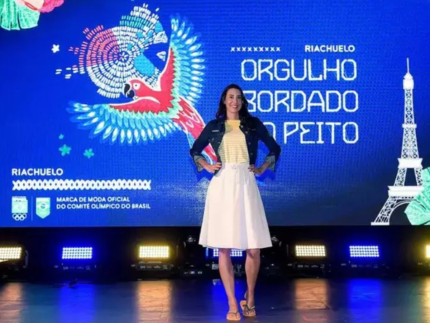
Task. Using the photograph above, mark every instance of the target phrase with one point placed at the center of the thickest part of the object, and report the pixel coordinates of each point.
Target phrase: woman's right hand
(212, 168)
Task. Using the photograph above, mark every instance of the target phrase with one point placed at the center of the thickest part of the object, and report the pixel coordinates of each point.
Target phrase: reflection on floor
(188, 301)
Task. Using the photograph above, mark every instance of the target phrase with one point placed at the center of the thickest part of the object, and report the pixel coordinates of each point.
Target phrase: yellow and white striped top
(233, 147)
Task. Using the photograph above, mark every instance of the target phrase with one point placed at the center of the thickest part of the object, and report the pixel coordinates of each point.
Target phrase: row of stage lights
(163, 258)
(164, 252)
(311, 251)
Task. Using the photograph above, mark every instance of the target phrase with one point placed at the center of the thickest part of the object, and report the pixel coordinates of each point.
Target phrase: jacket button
(252, 153)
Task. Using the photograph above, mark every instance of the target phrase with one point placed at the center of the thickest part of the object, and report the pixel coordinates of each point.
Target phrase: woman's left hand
(258, 170)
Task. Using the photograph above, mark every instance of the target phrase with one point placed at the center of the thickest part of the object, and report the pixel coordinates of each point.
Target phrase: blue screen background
(314, 184)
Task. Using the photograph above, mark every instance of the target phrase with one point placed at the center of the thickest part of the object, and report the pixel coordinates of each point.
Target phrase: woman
(234, 216)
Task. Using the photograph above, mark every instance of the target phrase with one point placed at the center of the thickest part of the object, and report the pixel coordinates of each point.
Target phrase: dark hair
(222, 109)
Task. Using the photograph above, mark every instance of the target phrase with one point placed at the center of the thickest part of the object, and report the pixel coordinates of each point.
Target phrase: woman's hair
(222, 109)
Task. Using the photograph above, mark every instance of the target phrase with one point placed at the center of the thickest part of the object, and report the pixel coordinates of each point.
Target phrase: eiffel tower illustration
(400, 194)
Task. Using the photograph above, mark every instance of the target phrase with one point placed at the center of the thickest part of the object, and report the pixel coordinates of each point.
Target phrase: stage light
(310, 251)
(423, 261)
(77, 253)
(156, 258)
(237, 259)
(13, 261)
(10, 253)
(233, 253)
(364, 251)
(273, 259)
(154, 252)
(362, 260)
(308, 259)
(191, 258)
(191, 240)
(76, 260)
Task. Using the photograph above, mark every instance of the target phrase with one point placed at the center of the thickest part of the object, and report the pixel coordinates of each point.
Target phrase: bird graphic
(158, 109)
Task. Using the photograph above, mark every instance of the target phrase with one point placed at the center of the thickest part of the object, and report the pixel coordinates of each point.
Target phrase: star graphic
(88, 153)
(61, 137)
(65, 150)
(55, 48)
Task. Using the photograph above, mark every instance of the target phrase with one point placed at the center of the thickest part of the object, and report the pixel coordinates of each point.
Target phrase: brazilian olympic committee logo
(19, 208)
(43, 207)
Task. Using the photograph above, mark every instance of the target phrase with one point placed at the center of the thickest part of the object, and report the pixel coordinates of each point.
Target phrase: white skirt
(234, 213)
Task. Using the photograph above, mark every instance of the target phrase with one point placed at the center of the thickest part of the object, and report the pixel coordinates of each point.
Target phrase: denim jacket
(253, 129)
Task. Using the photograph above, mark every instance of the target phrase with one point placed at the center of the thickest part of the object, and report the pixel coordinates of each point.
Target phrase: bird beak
(128, 92)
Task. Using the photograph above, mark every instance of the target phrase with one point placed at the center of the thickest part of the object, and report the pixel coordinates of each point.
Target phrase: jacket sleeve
(199, 145)
(274, 149)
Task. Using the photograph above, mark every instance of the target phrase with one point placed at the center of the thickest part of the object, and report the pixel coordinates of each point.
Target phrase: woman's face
(233, 101)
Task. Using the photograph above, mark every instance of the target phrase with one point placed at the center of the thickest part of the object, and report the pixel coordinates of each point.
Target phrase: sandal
(233, 316)
(246, 310)
(249, 311)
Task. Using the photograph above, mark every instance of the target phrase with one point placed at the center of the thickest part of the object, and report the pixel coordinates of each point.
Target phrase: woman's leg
(227, 276)
(252, 267)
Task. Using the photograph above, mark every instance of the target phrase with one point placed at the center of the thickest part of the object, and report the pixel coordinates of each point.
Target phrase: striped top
(233, 147)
